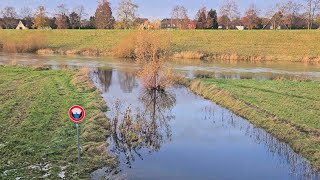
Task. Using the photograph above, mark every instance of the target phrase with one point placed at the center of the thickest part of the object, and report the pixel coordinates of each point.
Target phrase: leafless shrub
(156, 76)
(143, 46)
(150, 49)
(151, 46)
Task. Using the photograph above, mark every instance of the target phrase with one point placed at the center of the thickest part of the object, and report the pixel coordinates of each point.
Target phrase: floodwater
(179, 135)
(191, 68)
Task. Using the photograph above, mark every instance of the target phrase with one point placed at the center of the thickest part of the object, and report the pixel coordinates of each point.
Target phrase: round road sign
(76, 113)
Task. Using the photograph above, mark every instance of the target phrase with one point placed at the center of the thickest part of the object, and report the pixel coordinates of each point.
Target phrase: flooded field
(190, 68)
(178, 135)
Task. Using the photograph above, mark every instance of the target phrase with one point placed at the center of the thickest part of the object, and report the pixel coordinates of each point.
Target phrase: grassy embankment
(300, 45)
(289, 110)
(37, 139)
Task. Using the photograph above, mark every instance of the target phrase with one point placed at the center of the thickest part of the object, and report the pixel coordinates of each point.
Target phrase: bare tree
(276, 19)
(26, 13)
(127, 12)
(103, 15)
(251, 18)
(62, 19)
(201, 18)
(312, 7)
(9, 15)
(179, 17)
(40, 18)
(230, 9)
(289, 10)
(81, 12)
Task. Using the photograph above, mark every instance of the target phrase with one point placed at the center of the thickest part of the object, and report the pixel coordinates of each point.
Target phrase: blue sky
(152, 9)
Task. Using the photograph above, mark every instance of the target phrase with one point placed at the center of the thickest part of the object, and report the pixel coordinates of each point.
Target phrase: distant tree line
(287, 14)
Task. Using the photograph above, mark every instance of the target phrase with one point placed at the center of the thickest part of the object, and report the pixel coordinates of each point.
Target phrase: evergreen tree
(212, 20)
(74, 20)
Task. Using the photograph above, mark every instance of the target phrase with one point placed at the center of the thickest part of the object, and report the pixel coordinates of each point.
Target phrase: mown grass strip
(37, 139)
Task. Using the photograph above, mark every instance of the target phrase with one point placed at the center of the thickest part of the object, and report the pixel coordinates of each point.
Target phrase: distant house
(168, 24)
(139, 21)
(178, 24)
(277, 27)
(241, 28)
(21, 26)
(192, 24)
(15, 23)
(276, 22)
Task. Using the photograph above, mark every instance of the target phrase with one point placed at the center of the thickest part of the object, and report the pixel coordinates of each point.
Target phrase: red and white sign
(76, 113)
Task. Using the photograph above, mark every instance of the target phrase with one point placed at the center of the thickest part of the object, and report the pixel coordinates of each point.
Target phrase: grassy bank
(288, 110)
(300, 45)
(37, 139)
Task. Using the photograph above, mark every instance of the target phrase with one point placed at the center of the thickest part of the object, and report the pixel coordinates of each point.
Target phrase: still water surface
(178, 135)
(183, 136)
(228, 70)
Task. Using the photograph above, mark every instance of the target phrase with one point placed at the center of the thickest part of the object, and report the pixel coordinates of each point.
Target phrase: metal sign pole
(77, 114)
(78, 137)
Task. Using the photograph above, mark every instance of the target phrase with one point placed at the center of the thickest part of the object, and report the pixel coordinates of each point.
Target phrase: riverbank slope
(37, 139)
(255, 45)
(289, 110)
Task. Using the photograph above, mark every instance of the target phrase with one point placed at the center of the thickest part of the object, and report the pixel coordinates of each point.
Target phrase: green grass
(275, 45)
(298, 102)
(289, 110)
(36, 133)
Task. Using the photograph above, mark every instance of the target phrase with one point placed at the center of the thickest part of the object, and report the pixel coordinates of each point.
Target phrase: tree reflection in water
(145, 129)
(104, 78)
(299, 167)
(127, 81)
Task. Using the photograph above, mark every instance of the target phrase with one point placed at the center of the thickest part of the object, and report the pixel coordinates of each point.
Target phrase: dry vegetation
(151, 49)
(28, 44)
(256, 45)
(188, 55)
(156, 76)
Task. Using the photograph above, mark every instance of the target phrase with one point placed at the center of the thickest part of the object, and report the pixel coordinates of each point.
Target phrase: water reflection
(281, 152)
(151, 128)
(144, 129)
(127, 81)
(103, 77)
(250, 75)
